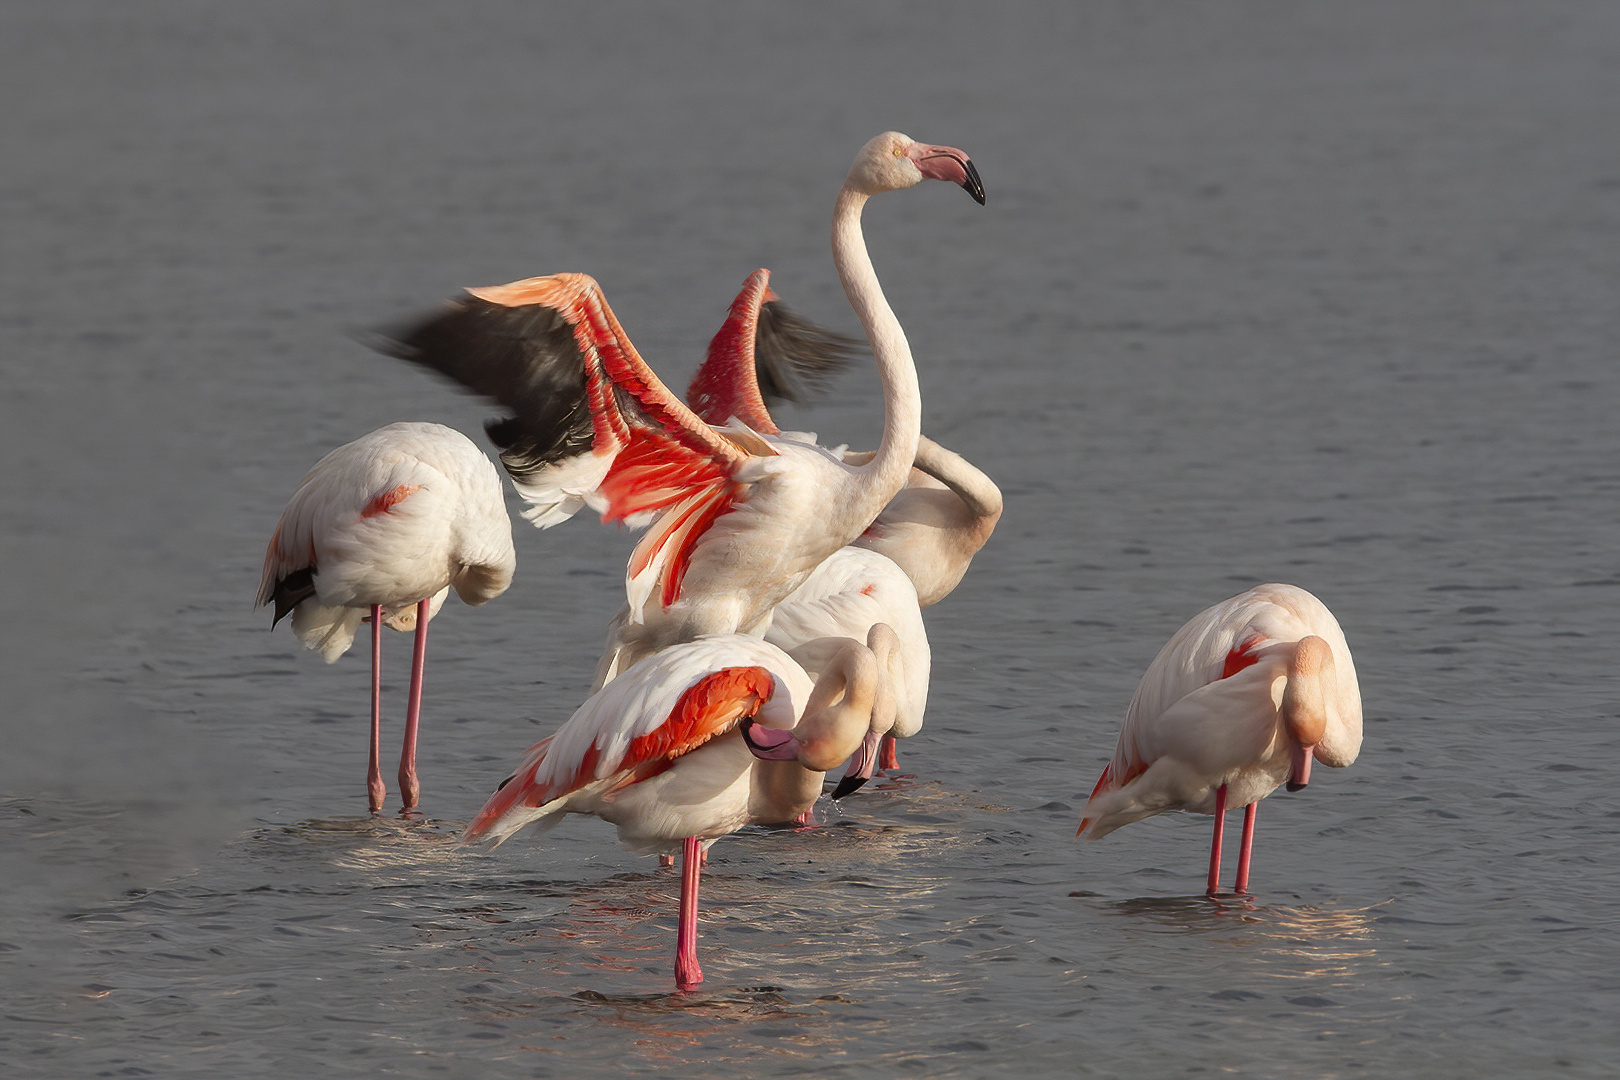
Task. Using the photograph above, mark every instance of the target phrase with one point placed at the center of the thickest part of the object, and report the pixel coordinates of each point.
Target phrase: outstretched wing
(552, 352)
(762, 353)
(632, 729)
(589, 422)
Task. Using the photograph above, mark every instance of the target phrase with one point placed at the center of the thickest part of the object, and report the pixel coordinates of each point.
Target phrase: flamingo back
(845, 597)
(637, 726)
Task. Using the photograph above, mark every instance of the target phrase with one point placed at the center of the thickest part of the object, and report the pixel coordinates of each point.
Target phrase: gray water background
(1320, 293)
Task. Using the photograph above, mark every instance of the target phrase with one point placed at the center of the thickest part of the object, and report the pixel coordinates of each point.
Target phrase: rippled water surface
(1322, 294)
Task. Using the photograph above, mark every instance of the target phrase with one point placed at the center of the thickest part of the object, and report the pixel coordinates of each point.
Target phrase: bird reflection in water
(1324, 935)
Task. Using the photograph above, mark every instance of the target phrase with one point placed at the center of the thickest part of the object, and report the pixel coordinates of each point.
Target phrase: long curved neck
(976, 490)
(902, 398)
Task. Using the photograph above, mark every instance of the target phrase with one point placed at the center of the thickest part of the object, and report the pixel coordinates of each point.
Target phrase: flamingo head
(892, 161)
(1306, 704)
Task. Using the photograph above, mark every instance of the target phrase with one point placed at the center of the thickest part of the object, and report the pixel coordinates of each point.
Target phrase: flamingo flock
(772, 627)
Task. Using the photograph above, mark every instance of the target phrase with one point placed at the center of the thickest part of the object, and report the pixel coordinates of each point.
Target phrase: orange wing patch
(385, 501)
(710, 706)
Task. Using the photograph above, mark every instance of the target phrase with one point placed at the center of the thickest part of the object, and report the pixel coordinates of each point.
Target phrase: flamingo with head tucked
(845, 597)
(692, 743)
(381, 529)
(735, 519)
(1238, 702)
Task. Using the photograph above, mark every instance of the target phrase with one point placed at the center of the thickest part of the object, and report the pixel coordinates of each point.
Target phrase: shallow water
(1314, 294)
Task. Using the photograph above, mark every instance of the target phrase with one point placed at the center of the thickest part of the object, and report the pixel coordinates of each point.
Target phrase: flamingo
(381, 529)
(737, 519)
(691, 744)
(848, 594)
(1239, 701)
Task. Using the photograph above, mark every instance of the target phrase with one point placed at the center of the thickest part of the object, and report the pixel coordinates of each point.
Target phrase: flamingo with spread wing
(736, 519)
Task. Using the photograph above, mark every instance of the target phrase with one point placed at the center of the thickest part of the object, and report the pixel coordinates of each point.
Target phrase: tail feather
(516, 802)
(328, 630)
(1103, 784)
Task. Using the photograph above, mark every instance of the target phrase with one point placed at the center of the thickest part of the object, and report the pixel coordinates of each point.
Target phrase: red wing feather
(764, 353)
(1242, 655)
(709, 708)
(727, 384)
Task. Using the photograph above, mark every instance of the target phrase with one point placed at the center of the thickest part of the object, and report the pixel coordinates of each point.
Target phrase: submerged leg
(1213, 886)
(409, 788)
(687, 972)
(375, 790)
(1241, 886)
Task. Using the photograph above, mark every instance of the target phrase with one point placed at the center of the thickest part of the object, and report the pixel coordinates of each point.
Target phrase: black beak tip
(848, 785)
(973, 185)
(1295, 787)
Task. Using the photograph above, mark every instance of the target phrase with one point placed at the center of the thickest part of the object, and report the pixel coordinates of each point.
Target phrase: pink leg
(409, 788)
(1241, 886)
(687, 972)
(375, 791)
(887, 758)
(1215, 844)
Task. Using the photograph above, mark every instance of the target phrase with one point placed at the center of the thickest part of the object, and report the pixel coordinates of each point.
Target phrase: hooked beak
(948, 163)
(861, 766)
(769, 744)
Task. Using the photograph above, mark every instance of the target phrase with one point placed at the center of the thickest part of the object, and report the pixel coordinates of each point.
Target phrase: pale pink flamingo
(1239, 701)
(381, 529)
(848, 594)
(691, 744)
(736, 519)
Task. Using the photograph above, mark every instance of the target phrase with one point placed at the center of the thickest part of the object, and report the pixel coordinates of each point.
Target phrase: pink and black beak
(861, 766)
(769, 744)
(947, 163)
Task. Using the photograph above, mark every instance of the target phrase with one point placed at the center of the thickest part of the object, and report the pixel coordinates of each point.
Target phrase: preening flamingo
(938, 521)
(382, 528)
(1239, 701)
(845, 597)
(736, 519)
(691, 744)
